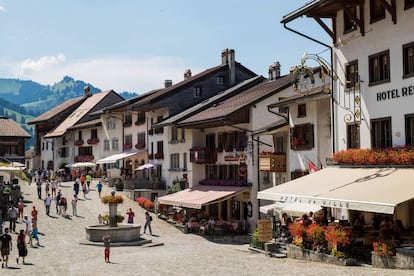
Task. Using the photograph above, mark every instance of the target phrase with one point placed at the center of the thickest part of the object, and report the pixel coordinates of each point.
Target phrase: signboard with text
(264, 229)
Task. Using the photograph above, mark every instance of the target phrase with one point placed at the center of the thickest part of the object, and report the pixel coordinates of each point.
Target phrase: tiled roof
(78, 114)
(197, 108)
(166, 91)
(241, 100)
(90, 123)
(56, 110)
(9, 128)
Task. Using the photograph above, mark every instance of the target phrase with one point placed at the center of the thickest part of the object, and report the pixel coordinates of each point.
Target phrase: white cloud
(42, 64)
(131, 74)
(2, 9)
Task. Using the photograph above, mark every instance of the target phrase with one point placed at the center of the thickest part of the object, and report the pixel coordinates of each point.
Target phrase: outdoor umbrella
(145, 166)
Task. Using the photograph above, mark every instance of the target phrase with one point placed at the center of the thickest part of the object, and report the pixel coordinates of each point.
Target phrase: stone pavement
(61, 251)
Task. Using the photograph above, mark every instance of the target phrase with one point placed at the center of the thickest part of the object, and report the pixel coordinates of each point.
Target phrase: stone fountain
(118, 232)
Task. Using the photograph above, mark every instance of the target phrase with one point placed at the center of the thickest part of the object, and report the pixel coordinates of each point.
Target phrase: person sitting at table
(398, 228)
(386, 230)
(360, 221)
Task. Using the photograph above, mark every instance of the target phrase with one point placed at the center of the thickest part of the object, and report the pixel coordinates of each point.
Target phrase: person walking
(88, 180)
(107, 244)
(12, 218)
(63, 205)
(39, 188)
(6, 247)
(21, 246)
(48, 202)
(34, 234)
(131, 216)
(74, 206)
(76, 186)
(84, 190)
(28, 230)
(99, 188)
(58, 196)
(148, 220)
(34, 213)
(20, 209)
(53, 186)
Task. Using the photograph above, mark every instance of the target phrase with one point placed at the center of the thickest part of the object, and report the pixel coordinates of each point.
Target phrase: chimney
(274, 71)
(168, 83)
(187, 74)
(86, 91)
(228, 57)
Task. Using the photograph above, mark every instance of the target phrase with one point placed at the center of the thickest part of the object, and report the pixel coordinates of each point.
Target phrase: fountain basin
(120, 233)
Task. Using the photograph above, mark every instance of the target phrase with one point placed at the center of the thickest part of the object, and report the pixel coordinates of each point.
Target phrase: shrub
(385, 248)
(148, 204)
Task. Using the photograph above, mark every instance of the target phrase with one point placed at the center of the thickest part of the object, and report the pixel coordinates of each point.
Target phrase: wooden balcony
(203, 155)
(273, 162)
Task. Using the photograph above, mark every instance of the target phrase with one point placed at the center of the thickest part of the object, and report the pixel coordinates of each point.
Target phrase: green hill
(22, 100)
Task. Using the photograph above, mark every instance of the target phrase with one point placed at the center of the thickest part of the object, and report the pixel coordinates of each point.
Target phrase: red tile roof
(9, 128)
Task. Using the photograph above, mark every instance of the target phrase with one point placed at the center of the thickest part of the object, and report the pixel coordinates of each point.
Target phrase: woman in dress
(21, 246)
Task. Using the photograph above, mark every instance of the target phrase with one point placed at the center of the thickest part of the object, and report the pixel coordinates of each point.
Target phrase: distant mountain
(37, 98)
(22, 100)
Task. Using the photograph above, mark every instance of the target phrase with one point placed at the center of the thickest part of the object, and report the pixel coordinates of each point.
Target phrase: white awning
(377, 190)
(293, 209)
(201, 195)
(118, 156)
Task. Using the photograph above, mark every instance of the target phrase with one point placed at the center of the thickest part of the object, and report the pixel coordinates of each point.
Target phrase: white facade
(393, 98)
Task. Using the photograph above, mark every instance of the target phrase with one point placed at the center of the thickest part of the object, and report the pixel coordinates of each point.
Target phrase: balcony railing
(203, 155)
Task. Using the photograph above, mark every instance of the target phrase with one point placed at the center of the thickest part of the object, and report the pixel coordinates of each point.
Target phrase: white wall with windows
(383, 61)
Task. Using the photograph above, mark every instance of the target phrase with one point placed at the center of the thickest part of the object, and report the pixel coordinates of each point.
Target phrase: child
(107, 243)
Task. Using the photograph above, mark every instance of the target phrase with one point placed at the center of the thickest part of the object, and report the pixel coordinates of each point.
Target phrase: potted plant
(112, 200)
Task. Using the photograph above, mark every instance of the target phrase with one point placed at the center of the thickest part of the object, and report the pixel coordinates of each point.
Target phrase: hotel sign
(395, 93)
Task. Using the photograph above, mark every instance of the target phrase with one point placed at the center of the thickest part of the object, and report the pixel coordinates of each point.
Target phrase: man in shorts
(6, 247)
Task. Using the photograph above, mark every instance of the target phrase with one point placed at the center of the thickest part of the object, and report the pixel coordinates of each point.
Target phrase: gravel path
(61, 253)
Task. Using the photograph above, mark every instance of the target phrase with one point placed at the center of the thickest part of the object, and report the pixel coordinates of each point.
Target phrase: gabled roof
(9, 128)
(150, 102)
(210, 101)
(124, 105)
(222, 110)
(49, 115)
(78, 114)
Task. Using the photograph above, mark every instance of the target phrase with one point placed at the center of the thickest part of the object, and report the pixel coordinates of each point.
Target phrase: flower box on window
(84, 158)
(150, 156)
(78, 142)
(93, 141)
(272, 162)
(140, 146)
(127, 147)
(159, 155)
(138, 123)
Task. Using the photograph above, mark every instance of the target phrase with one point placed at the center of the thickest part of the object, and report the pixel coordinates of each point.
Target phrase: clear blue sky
(134, 45)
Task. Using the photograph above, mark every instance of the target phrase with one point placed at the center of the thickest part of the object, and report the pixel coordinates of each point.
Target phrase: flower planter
(295, 252)
(404, 259)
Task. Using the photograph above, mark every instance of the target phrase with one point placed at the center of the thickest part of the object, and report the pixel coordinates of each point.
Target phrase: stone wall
(295, 252)
(404, 259)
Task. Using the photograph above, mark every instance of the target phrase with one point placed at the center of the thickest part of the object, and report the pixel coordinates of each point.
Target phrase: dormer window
(196, 92)
(220, 80)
